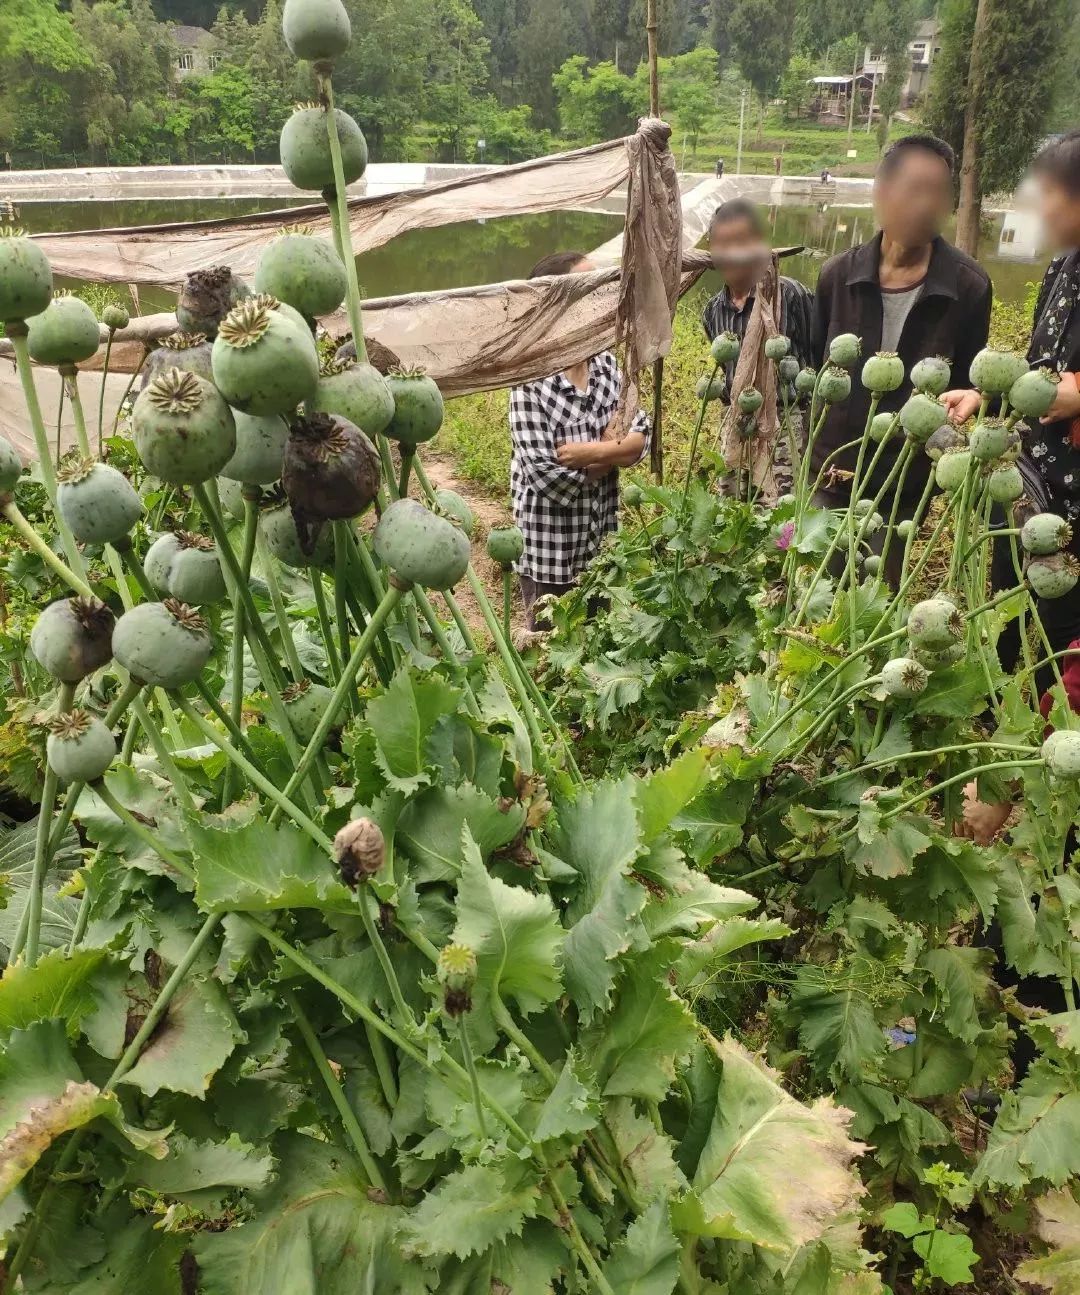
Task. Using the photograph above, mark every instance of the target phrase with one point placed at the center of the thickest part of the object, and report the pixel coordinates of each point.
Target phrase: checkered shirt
(563, 515)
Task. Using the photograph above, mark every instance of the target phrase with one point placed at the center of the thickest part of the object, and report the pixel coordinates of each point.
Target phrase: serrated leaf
(963, 978)
(139, 1257)
(887, 847)
(646, 1154)
(617, 685)
(471, 1210)
(1036, 1136)
(403, 719)
(514, 933)
(429, 828)
(693, 902)
(666, 793)
(713, 821)
(573, 1105)
(957, 692)
(195, 1166)
(316, 1230)
(1058, 1224)
(837, 1028)
(189, 1047)
(525, 1265)
(773, 1171)
(599, 837)
(703, 960)
(58, 985)
(259, 867)
(147, 797)
(635, 1049)
(646, 1260)
(43, 1095)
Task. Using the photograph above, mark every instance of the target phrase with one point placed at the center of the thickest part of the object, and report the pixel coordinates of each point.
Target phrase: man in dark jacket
(907, 291)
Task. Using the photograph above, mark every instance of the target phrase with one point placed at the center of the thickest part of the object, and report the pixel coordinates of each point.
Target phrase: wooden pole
(969, 212)
(657, 456)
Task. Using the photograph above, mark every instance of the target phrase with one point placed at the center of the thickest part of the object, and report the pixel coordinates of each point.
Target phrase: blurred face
(1060, 212)
(737, 251)
(913, 201)
(583, 266)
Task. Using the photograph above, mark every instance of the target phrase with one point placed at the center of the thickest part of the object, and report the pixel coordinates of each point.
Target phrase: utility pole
(742, 122)
(851, 99)
(873, 93)
(654, 62)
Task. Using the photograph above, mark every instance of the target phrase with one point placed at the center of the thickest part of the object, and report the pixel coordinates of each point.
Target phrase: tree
(599, 102)
(761, 32)
(690, 88)
(796, 86)
(44, 65)
(991, 94)
(550, 35)
(457, 72)
(889, 26)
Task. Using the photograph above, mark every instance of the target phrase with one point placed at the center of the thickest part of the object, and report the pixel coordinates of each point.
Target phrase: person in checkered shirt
(564, 479)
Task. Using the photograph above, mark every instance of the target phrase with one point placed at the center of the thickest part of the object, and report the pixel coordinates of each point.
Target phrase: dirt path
(488, 513)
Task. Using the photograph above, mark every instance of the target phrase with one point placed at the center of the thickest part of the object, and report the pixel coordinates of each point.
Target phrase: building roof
(927, 27)
(190, 37)
(832, 80)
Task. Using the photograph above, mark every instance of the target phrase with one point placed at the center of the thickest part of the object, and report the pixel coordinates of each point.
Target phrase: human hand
(576, 454)
(1066, 402)
(961, 405)
(980, 822)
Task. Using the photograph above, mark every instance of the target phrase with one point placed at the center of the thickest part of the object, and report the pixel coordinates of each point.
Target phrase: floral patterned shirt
(1055, 344)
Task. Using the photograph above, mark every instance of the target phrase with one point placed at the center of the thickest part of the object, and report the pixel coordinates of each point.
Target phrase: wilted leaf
(192, 1043)
(1036, 1135)
(1058, 1224)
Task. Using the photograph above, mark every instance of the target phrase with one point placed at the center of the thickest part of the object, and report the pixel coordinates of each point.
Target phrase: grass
(476, 435)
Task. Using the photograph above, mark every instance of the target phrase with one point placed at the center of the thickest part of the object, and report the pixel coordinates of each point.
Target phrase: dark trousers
(531, 592)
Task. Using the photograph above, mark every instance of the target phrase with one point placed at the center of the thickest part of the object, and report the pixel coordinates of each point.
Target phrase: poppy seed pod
(330, 472)
(360, 850)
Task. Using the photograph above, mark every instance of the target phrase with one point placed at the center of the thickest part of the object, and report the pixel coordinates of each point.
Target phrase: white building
(923, 48)
(195, 51)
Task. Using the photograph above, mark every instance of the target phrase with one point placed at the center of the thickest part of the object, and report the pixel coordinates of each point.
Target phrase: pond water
(495, 250)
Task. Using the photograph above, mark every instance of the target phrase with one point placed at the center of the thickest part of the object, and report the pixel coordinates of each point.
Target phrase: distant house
(196, 51)
(923, 48)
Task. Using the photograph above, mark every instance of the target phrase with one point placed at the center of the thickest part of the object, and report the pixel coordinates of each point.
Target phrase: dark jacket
(1055, 447)
(950, 318)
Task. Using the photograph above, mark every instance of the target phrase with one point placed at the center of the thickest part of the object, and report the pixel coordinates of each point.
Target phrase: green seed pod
(450, 505)
(1005, 484)
(1045, 533)
(883, 373)
(264, 301)
(1032, 394)
(725, 348)
(25, 277)
(164, 645)
(874, 523)
(951, 470)
(360, 850)
(231, 494)
(785, 501)
(633, 495)
(1061, 753)
(1053, 576)
(206, 298)
(99, 504)
(834, 384)
(989, 440)
(305, 705)
(456, 971)
(183, 429)
(419, 547)
(935, 623)
(788, 368)
(750, 400)
(303, 271)
(357, 392)
(777, 347)
(189, 352)
(260, 447)
(922, 415)
(871, 564)
(862, 507)
(946, 438)
(905, 528)
(114, 318)
(939, 660)
(418, 407)
(931, 375)
(505, 544)
(11, 466)
(79, 747)
(709, 388)
(263, 363)
(72, 638)
(904, 677)
(158, 560)
(330, 473)
(279, 531)
(316, 30)
(994, 372)
(882, 426)
(844, 350)
(806, 382)
(305, 148)
(195, 576)
(66, 332)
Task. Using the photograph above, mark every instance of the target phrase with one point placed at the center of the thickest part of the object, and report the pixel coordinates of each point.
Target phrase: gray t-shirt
(895, 308)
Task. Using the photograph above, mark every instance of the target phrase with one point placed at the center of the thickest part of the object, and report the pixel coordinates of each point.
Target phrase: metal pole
(742, 121)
